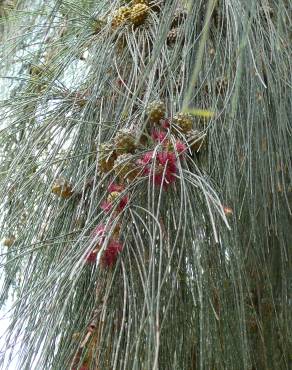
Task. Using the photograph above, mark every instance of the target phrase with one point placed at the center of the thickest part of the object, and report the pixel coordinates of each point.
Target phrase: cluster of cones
(154, 153)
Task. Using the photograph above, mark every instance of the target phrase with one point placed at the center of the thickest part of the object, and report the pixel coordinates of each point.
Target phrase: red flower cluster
(165, 124)
(115, 187)
(158, 135)
(114, 192)
(163, 167)
(91, 257)
(161, 137)
(180, 147)
(99, 232)
(111, 252)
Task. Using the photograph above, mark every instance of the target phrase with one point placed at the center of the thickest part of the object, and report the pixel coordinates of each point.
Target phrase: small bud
(7, 242)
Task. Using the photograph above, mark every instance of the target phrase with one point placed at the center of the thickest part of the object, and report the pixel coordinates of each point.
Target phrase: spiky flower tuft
(111, 253)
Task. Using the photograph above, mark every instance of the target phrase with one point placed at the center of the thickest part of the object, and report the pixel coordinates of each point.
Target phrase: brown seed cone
(62, 188)
(125, 141)
(184, 121)
(156, 111)
(107, 157)
(120, 17)
(139, 13)
(125, 168)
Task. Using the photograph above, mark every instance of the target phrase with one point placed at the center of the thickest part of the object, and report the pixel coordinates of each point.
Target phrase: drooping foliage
(146, 184)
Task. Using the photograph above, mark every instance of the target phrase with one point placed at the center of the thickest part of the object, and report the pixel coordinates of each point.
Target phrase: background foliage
(193, 269)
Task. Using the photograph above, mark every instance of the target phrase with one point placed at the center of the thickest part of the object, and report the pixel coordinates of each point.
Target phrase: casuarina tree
(146, 184)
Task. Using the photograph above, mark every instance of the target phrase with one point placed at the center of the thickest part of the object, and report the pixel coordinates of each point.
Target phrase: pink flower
(163, 170)
(124, 201)
(146, 158)
(180, 147)
(145, 161)
(91, 257)
(106, 206)
(227, 210)
(166, 157)
(109, 256)
(158, 135)
(111, 253)
(115, 187)
(166, 175)
(99, 230)
(165, 123)
(165, 178)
